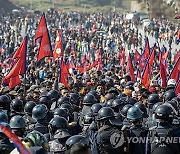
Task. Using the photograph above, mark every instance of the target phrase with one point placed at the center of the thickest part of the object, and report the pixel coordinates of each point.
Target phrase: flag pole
(25, 66)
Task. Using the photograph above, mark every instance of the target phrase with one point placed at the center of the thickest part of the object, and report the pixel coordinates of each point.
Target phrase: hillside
(73, 5)
(7, 6)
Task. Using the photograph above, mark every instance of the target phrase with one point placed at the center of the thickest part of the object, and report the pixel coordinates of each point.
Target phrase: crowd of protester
(100, 106)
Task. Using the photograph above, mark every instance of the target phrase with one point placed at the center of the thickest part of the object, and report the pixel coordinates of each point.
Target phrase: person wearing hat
(135, 116)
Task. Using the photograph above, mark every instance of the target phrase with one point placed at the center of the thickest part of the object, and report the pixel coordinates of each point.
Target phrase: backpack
(160, 142)
(111, 140)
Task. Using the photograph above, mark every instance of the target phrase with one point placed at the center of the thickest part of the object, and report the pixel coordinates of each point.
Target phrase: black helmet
(105, 113)
(173, 105)
(117, 103)
(39, 112)
(153, 98)
(46, 101)
(132, 101)
(58, 123)
(164, 113)
(95, 108)
(61, 113)
(168, 95)
(95, 94)
(63, 100)
(125, 110)
(109, 103)
(75, 98)
(4, 102)
(76, 139)
(67, 106)
(3, 117)
(17, 105)
(29, 107)
(88, 118)
(156, 105)
(17, 122)
(142, 107)
(89, 100)
(54, 95)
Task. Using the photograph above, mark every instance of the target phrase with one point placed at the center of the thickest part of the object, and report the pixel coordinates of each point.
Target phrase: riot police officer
(28, 114)
(5, 104)
(5, 145)
(58, 127)
(109, 137)
(3, 117)
(18, 125)
(136, 130)
(152, 99)
(16, 107)
(164, 129)
(39, 113)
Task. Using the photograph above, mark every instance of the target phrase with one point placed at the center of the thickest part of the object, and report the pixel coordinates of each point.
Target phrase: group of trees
(100, 2)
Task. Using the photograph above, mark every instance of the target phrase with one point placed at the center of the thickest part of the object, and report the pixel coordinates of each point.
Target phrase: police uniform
(109, 140)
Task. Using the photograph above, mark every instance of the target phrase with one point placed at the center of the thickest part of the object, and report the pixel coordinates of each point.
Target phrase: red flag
(15, 139)
(130, 68)
(175, 73)
(177, 56)
(147, 49)
(163, 74)
(58, 50)
(142, 64)
(19, 68)
(42, 37)
(177, 89)
(145, 76)
(122, 57)
(151, 58)
(64, 73)
(137, 56)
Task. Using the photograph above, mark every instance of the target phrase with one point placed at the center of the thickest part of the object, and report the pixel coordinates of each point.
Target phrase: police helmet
(46, 101)
(39, 112)
(67, 106)
(156, 105)
(4, 102)
(17, 105)
(105, 113)
(64, 99)
(89, 100)
(76, 139)
(75, 98)
(164, 113)
(61, 113)
(134, 113)
(125, 109)
(58, 123)
(95, 108)
(95, 94)
(109, 103)
(152, 99)
(54, 95)
(29, 107)
(3, 117)
(142, 107)
(118, 103)
(17, 122)
(169, 95)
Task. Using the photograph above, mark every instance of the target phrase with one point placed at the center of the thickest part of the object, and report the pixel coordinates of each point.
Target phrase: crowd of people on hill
(101, 110)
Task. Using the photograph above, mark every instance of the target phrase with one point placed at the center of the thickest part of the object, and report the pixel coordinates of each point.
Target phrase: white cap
(171, 82)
